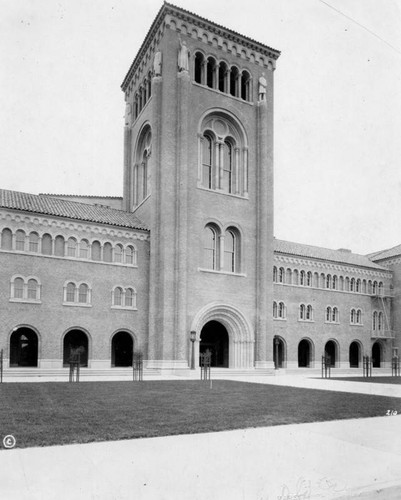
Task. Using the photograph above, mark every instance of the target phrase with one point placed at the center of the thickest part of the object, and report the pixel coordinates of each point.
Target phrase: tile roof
(309, 251)
(385, 254)
(45, 204)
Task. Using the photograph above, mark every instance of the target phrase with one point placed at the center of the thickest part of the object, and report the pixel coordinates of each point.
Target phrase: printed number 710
(390, 413)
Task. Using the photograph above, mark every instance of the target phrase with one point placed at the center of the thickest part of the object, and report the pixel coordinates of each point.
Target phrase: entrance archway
(354, 355)
(278, 352)
(122, 347)
(214, 337)
(330, 351)
(376, 354)
(24, 348)
(304, 353)
(75, 342)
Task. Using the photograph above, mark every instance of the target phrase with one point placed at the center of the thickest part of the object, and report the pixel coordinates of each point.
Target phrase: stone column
(127, 177)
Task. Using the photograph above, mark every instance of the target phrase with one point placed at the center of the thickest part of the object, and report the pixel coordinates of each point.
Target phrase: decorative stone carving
(157, 64)
(183, 56)
(262, 87)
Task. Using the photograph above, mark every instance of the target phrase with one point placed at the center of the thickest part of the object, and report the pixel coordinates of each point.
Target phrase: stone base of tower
(263, 364)
(166, 365)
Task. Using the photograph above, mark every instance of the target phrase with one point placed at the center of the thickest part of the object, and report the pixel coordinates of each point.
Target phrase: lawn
(43, 414)
(374, 380)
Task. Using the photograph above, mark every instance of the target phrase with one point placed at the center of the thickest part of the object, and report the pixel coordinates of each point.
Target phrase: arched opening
(122, 347)
(214, 337)
(278, 352)
(376, 355)
(304, 354)
(330, 352)
(23, 348)
(354, 355)
(75, 344)
(199, 65)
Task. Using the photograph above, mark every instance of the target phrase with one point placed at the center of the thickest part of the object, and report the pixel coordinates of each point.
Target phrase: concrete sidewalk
(340, 459)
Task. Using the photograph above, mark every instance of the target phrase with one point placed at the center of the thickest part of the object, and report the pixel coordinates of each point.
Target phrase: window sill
(25, 301)
(306, 320)
(220, 191)
(124, 308)
(226, 273)
(280, 319)
(76, 304)
(355, 324)
(332, 322)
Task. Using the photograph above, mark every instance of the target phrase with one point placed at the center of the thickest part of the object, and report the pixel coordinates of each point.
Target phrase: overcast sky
(337, 105)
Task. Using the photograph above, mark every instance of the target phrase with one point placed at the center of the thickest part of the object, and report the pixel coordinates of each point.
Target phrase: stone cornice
(346, 268)
(172, 17)
(46, 224)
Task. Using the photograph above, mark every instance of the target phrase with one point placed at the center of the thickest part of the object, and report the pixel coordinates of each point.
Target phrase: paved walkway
(358, 458)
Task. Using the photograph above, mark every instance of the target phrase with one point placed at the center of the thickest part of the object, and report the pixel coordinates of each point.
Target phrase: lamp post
(193, 338)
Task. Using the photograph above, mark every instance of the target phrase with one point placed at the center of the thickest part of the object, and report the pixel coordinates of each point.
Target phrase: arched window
(353, 316)
(70, 292)
(20, 240)
(380, 288)
(130, 298)
(352, 285)
(245, 86)
(33, 242)
(380, 321)
(328, 281)
(328, 314)
(199, 67)
(302, 280)
(118, 295)
(72, 247)
(33, 289)
(334, 283)
(274, 274)
(229, 251)
(207, 161)
(309, 279)
(374, 321)
(359, 317)
(302, 311)
(18, 289)
(107, 252)
(118, 253)
(210, 247)
(130, 255)
(335, 315)
(223, 155)
(6, 239)
(374, 291)
(358, 286)
(281, 275)
(281, 310)
(47, 244)
(141, 177)
(211, 72)
(309, 312)
(96, 251)
(227, 167)
(274, 309)
(234, 77)
(223, 73)
(84, 249)
(59, 246)
(83, 297)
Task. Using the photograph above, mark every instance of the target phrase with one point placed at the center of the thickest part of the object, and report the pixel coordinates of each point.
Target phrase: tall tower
(198, 170)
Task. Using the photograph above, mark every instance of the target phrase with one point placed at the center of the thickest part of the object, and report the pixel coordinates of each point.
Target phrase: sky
(337, 105)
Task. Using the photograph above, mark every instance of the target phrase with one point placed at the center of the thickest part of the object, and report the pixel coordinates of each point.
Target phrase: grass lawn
(42, 414)
(374, 380)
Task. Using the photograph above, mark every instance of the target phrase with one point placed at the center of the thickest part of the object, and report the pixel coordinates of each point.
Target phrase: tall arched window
(20, 240)
(70, 292)
(274, 274)
(118, 293)
(374, 321)
(6, 239)
(245, 86)
(302, 311)
(328, 313)
(141, 177)
(274, 309)
(207, 161)
(223, 155)
(18, 288)
(210, 72)
(223, 73)
(33, 289)
(210, 247)
(33, 242)
(72, 247)
(229, 251)
(281, 275)
(281, 310)
(234, 77)
(335, 315)
(84, 249)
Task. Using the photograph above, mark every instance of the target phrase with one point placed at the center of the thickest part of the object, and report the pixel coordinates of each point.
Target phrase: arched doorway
(304, 354)
(75, 343)
(214, 337)
(354, 355)
(23, 348)
(278, 352)
(122, 347)
(330, 351)
(376, 355)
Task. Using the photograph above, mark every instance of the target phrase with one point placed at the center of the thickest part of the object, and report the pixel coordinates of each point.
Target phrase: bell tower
(198, 169)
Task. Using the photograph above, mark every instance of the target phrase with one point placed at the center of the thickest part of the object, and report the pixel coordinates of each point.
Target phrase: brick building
(190, 245)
